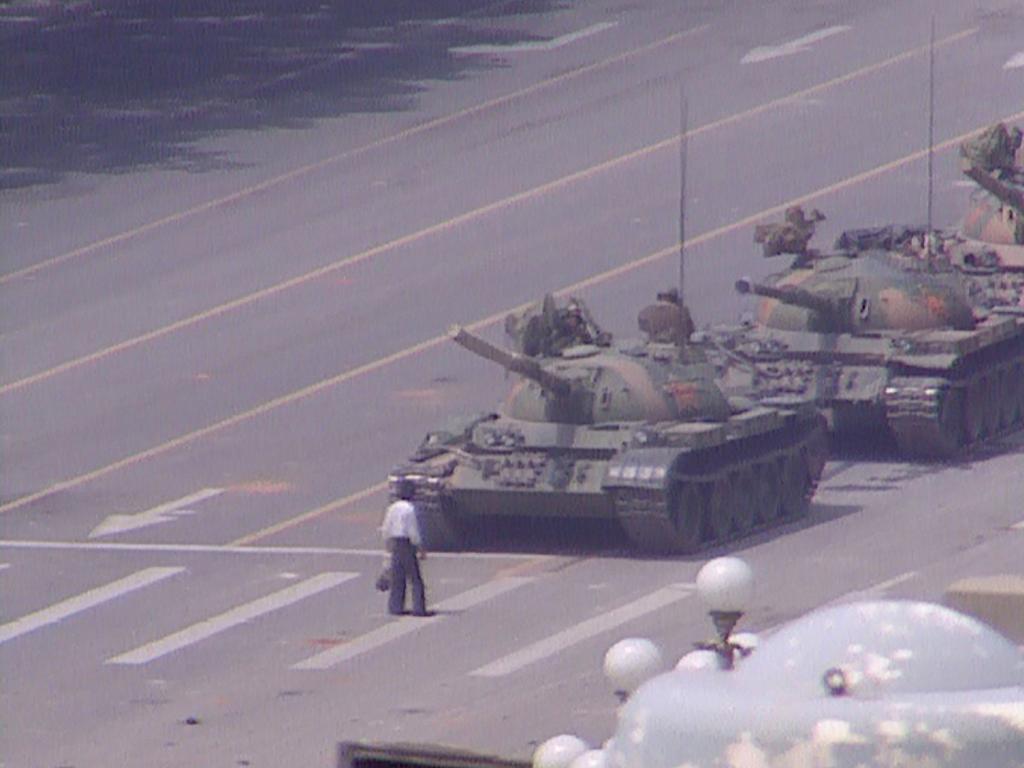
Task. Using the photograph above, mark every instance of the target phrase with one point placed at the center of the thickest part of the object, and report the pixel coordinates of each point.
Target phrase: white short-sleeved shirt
(400, 522)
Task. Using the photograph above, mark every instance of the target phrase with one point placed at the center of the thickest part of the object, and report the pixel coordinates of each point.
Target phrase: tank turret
(1008, 228)
(988, 246)
(871, 292)
(639, 434)
(586, 385)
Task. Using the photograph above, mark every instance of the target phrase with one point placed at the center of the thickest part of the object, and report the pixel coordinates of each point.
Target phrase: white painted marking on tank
(84, 601)
(158, 514)
(536, 45)
(243, 613)
(1015, 61)
(221, 549)
(764, 53)
(585, 630)
(409, 624)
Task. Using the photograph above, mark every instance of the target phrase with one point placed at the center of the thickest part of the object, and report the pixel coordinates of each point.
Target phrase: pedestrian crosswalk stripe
(84, 601)
(584, 631)
(243, 613)
(405, 626)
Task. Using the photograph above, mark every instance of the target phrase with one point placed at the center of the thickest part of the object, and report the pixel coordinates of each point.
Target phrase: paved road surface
(210, 365)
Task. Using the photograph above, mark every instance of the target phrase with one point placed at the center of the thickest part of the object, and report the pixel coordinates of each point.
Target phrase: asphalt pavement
(224, 291)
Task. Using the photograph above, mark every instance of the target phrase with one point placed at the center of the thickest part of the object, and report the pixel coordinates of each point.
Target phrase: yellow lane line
(346, 155)
(319, 511)
(433, 342)
(464, 218)
(238, 418)
(641, 262)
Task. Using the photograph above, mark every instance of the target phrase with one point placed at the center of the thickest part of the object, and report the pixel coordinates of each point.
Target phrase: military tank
(987, 248)
(637, 433)
(854, 684)
(883, 343)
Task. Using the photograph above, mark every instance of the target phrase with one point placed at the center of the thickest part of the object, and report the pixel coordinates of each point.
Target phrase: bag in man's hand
(384, 580)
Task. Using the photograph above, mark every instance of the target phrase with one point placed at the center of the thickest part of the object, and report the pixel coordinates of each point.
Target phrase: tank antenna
(931, 132)
(682, 191)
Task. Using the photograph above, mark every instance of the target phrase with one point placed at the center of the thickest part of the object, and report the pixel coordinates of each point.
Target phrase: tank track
(754, 492)
(934, 417)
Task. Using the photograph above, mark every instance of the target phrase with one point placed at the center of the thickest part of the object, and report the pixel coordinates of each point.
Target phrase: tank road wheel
(672, 528)
(721, 503)
(744, 484)
(978, 409)
(992, 411)
(1007, 398)
(950, 422)
(1017, 383)
(440, 528)
(688, 510)
(795, 485)
(816, 457)
(769, 492)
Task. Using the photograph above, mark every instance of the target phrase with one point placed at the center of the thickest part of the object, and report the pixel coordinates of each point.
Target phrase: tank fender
(641, 468)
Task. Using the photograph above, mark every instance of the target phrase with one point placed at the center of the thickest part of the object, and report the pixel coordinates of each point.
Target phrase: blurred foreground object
(356, 755)
(877, 684)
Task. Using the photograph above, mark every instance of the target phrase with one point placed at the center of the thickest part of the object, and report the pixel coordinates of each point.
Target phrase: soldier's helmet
(671, 295)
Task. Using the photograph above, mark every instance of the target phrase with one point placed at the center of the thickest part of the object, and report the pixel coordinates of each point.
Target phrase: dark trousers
(404, 565)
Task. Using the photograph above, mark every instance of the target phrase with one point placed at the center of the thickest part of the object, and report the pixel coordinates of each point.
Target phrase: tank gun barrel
(788, 295)
(1005, 193)
(525, 366)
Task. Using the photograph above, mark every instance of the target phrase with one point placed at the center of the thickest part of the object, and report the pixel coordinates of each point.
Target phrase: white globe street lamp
(726, 585)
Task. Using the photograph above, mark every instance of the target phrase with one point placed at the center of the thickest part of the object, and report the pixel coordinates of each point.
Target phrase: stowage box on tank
(883, 343)
(640, 434)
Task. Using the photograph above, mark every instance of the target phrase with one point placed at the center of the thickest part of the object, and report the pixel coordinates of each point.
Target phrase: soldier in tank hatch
(666, 321)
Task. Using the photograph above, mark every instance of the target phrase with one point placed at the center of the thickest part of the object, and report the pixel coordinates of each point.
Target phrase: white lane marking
(885, 586)
(1018, 526)
(407, 625)
(867, 593)
(1015, 61)
(4, 566)
(584, 631)
(159, 514)
(536, 45)
(872, 592)
(252, 550)
(243, 613)
(764, 53)
(84, 601)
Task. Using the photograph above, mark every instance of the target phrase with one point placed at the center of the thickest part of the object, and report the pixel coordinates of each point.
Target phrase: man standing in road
(402, 534)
